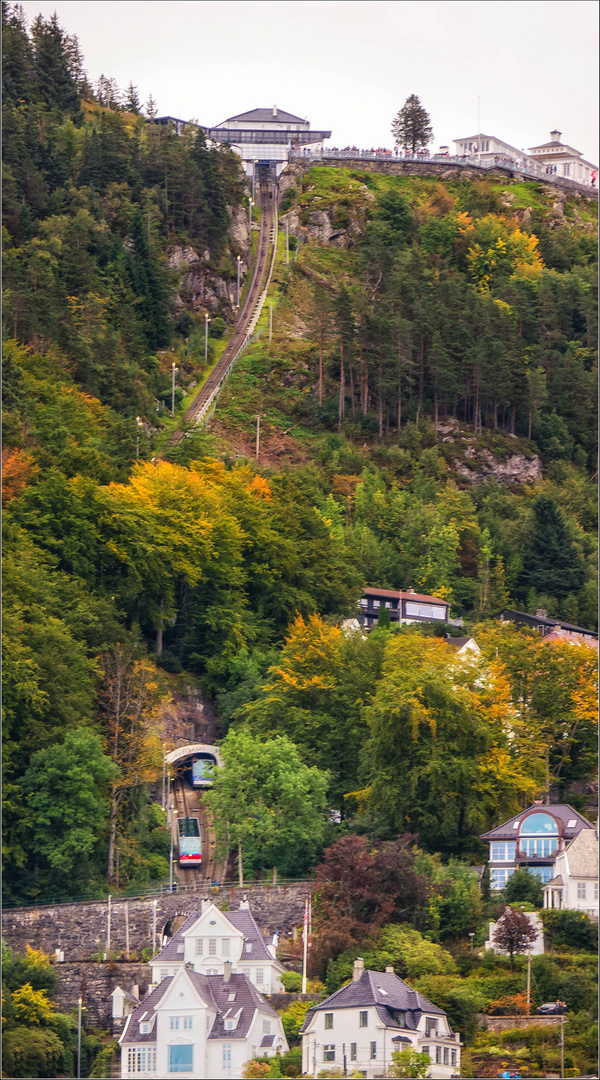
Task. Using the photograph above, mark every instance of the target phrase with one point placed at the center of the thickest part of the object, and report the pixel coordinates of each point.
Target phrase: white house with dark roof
(574, 884)
(358, 1028)
(200, 1026)
(564, 159)
(532, 839)
(208, 940)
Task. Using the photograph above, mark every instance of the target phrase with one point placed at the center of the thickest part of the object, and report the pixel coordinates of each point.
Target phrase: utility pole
(253, 179)
(140, 424)
(127, 929)
(173, 815)
(305, 950)
(174, 370)
(163, 778)
(250, 205)
(79, 1004)
(287, 243)
(562, 1047)
(108, 915)
(270, 322)
(257, 437)
(206, 322)
(238, 281)
(154, 902)
(529, 984)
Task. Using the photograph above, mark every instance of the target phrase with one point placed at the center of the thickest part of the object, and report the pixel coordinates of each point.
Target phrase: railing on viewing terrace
(536, 172)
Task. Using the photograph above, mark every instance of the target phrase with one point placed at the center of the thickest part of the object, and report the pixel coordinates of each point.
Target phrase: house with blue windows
(200, 1026)
(532, 840)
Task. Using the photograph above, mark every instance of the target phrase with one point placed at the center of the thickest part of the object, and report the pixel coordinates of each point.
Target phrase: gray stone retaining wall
(508, 1023)
(80, 930)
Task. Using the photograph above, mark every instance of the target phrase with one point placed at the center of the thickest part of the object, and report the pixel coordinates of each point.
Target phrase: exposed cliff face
(516, 469)
(200, 288)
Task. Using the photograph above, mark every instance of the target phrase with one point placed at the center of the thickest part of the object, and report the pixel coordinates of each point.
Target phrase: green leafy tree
(411, 127)
(66, 788)
(409, 1063)
(524, 886)
(267, 802)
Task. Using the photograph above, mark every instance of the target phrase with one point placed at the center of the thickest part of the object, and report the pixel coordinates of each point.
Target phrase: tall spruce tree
(411, 127)
(552, 564)
(52, 54)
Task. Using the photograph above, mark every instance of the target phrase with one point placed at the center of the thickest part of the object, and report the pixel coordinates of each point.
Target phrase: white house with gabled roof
(200, 1027)
(565, 160)
(209, 939)
(574, 884)
(266, 136)
(358, 1028)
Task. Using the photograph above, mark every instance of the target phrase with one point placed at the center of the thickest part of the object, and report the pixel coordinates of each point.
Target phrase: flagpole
(305, 938)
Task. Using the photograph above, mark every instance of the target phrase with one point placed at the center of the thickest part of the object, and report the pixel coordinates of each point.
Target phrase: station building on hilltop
(264, 137)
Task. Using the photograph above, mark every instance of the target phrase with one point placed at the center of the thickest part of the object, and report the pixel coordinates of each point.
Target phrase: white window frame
(581, 890)
(212, 946)
(260, 975)
(353, 1048)
(329, 1052)
(225, 946)
(373, 1050)
(363, 1018)
(329, 1021)
(199, 946)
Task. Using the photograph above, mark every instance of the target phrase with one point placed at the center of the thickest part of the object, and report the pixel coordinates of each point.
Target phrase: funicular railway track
(188, 803)
(260, 271)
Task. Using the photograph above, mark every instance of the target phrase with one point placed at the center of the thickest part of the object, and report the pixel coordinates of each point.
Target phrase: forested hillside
(428, 420)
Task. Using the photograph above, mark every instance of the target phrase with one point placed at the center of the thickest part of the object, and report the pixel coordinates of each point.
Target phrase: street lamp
(140, 424)
(253, 179)
(471, 936)
(250, 205)
(173, 811)
(206, 322)
(174, 370)
(239, 262)
(79, 1004)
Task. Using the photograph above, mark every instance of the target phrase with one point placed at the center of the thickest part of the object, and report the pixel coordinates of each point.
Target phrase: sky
(346, 65)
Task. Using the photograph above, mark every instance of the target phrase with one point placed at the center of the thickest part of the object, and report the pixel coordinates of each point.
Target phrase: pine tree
(411, 127)
(132, 101)
(53, 61)
(151, 108)
(552, 564)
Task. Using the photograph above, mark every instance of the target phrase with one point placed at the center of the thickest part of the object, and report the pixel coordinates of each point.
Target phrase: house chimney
(389, 970)
(555, 136)
(538, 802)
(274, 110)
(359, 967)
(410, 589)
(244, 905)
(227, 971)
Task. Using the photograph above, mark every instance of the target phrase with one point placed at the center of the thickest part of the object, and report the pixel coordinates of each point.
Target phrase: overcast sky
(349, 66)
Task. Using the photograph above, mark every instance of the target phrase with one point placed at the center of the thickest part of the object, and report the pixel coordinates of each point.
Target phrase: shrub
(571, 928)
(292, 982)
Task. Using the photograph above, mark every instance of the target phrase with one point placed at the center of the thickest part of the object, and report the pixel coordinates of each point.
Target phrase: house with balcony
(404, 607)
(264, 137)
(211, 939)
(551, 629)
(532, 839)
(489, 150)
(358, 1028)
(200, 1026)
(563, 159)
(574, 884)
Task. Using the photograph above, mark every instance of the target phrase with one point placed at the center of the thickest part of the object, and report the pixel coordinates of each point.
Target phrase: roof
(458, 643)
(398, 594)
(554, 881)
(543, 620)
(562, 811)
(383, 990)
(215, 991)
(582, 854)
(247, 999)
(550, 145)
(265, 116)
(242, 921)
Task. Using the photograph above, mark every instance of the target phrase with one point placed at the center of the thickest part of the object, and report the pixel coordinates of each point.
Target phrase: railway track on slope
(245, 322)
(188, 803)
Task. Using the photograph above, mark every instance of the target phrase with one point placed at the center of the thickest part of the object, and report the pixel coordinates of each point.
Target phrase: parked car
(552, 1008)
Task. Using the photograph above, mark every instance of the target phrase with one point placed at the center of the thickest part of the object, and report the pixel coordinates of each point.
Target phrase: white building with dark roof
(358, 1028)
(404, 607)
(200, 1026)
(265, 137)
(574, 884)
(533, 839)
(564, 159)
(212, 938)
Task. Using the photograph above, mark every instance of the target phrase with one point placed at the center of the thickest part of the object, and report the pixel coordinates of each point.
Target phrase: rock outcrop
(515, 469)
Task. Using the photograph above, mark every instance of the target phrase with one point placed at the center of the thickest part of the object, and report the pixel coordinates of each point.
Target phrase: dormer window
(144, 1028)
(400, 1018)
(232, 997)
(248, 946)
(230, 1024)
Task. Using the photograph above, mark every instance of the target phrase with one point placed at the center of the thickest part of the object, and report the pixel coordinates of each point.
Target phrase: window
(141, 1059)
(499, 877)
(430, 1027)
(164, 973)
(144, 1029)
(566, 170)
(453, 1057)
(198, 946)
(174, 1023)
(187, 1023)
(375, 603)
(225, 946)
(438, 1055)
(260, 975)
(231, 997)
(181, 1058)
(266, 1027)
(329, 1052)
(502, 852)
(248, 946)
(544, 873)
(212, 946)
(543, 847)
(400, 1018)
(328, 1021)
(446, 1056)
(352, 1051)
(226, 1056)
(373, 1051)
(230, 1024)
(539, 825)
(581, 890)
(363, 1019)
